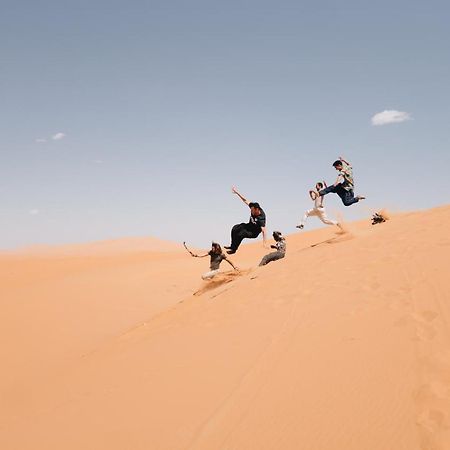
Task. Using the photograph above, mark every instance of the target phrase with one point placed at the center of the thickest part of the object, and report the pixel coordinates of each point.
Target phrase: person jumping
(318, 209)
(250, 230)
(280, 247)
(344, 183)
(217, 256)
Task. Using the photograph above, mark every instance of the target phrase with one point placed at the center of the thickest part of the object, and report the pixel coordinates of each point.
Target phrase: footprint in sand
(432, 392)
(424, 317)
(432, 420)
(429, 316)
(425, 332)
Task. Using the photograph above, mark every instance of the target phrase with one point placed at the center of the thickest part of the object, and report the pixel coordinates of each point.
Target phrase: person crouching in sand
(280, 246)
(217, 256)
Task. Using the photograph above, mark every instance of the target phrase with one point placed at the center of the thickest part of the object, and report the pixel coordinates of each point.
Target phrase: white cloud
(58, 136)
(390, 116)
(40, 140)
(33, 212)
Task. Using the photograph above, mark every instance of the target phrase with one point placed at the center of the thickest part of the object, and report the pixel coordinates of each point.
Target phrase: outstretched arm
(234, 191)
(200, 256)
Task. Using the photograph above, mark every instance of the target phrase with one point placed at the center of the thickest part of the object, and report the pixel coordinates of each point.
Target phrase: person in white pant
(318, 210)
(217, 256)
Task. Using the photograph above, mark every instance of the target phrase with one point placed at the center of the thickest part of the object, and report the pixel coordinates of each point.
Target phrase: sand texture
(343, 345)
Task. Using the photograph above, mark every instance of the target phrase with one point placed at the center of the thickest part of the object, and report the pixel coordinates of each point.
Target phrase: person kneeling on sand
(280, 246)
(318, 210)
(217, 256)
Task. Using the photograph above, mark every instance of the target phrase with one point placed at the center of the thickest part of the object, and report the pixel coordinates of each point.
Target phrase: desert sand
(343, 345)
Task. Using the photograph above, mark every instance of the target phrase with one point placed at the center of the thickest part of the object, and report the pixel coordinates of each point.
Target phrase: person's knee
(236, 228)
(347, 201)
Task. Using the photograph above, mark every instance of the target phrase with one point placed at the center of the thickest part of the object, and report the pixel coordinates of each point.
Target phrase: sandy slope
(344, 345)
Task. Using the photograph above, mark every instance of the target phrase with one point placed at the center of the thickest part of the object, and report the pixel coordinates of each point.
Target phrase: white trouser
(210, 274)
(320, 213)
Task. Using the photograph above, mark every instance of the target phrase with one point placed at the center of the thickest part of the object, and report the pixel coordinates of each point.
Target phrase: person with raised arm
(344, 184)
(251, 230)
(318, 210)
(217, 256)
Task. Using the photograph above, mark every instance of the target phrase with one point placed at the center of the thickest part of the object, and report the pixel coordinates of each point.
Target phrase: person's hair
(320, 184)
(254, 205)
(217, 248)
(277, 235)
(337, 163)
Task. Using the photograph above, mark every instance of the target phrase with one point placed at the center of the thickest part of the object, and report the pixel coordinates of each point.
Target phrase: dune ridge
(97, 248)
(343, 345)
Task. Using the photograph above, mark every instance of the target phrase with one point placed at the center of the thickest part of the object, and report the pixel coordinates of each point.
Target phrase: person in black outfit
(250, 230)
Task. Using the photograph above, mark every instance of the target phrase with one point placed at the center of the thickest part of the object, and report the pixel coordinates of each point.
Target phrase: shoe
(226, 247)
(231, 252)
(300, 226)
(360, 197)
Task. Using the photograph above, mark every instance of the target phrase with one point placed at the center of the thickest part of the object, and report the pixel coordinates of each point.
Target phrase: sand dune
(108, 247)
(343, 345)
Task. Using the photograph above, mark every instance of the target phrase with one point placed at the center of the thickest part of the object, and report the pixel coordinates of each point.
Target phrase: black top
(259, 220)
(216, 259)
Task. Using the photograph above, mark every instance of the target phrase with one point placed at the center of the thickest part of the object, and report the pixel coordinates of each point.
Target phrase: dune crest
(98, 248)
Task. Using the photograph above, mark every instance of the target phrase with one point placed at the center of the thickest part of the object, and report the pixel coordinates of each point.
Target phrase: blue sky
(162, 106)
